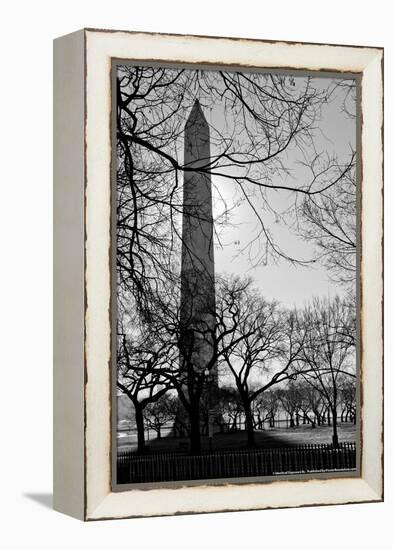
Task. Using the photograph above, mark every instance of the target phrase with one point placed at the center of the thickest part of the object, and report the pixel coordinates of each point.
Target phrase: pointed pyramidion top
(196, 115)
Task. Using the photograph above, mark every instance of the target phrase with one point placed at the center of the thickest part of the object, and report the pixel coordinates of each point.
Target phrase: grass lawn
(282, 437)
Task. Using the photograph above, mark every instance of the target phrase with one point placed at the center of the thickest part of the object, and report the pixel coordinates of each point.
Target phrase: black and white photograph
(197, 269)
(235, 273)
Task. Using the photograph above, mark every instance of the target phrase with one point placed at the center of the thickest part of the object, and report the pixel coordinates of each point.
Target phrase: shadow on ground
(266, 439)
(44, 499)
(220, 442)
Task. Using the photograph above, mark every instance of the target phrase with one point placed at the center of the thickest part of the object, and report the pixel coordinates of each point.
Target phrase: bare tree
(271, 399)
(181, 427)
(329, 220)
(230, 408)
(141, 364)
(268, 344)
(291, 401)
(159, 413)
(348, 400)
(264, 409)
(312, 404)
(328, 357)
(191, 371)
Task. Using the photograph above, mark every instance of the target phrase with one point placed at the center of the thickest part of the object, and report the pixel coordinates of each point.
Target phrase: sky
(291, 285)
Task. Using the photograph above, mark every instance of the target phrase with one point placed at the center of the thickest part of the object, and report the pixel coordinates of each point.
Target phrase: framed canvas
(218, 274)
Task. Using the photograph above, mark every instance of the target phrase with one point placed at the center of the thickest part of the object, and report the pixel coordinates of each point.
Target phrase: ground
(282, 437)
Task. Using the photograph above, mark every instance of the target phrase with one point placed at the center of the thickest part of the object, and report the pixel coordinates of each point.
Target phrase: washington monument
(197, 307)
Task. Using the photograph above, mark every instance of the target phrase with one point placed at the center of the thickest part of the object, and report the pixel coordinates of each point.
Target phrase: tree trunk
(140, 429)
(310, 421)
(249, 425)
(195, 433)
(335, 434)
(334, 418)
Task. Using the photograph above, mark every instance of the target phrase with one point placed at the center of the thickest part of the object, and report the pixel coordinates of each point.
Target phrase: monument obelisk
(197, 307)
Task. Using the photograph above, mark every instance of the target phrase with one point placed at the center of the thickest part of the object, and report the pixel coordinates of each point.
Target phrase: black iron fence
(132, 468)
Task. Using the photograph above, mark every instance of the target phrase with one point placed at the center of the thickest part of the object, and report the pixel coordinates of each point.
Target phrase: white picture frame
(82, 260)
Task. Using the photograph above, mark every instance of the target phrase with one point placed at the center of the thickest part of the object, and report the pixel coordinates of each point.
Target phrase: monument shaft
(197, 312)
